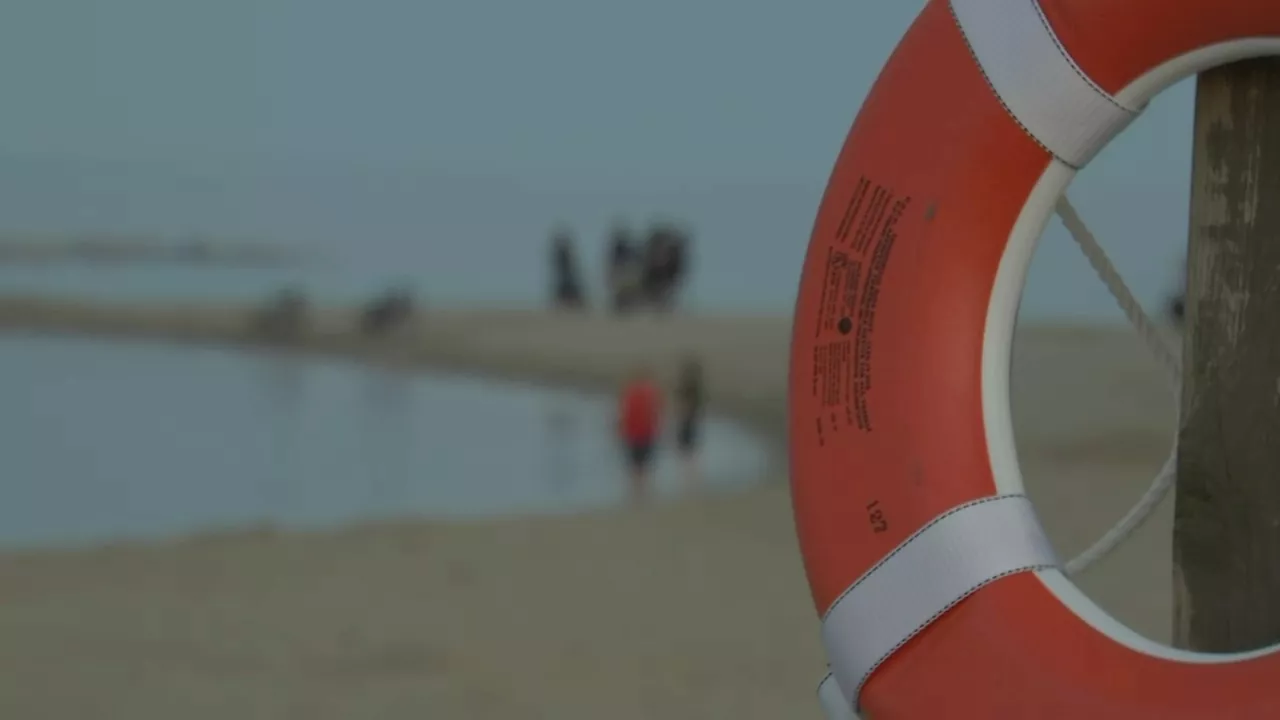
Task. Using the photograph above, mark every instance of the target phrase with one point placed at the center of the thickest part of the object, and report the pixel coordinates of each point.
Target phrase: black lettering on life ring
(879, 523)
(855, 264)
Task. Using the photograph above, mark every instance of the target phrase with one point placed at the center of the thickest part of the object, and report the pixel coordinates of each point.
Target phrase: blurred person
(623, 273)
(566, 281)
(680, 258)
(283, 316)
(664, 265)
(388, 311)
(639, 426)
(690, 397)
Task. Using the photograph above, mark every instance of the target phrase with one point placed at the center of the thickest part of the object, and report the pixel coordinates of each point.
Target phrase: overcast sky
(569, 92)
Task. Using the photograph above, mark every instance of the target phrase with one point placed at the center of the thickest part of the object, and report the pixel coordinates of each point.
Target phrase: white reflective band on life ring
(944, 562)
(1037, 81)
(831, 698)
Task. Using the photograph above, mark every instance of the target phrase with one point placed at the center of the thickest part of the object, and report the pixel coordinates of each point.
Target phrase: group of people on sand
(288, 311)
(637, 275)
(641, 430)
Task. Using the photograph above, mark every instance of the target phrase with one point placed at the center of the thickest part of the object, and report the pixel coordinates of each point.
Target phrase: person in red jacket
(639, 426)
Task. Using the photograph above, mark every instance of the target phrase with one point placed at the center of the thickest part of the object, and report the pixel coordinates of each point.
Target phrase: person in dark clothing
(623, 269)
(387, 312)
(664, 266)
(679, 257)
(689, 400)
(566, 283)
(283, 316)
(654, 274)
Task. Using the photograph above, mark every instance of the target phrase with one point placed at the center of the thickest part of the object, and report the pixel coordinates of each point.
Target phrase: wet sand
(693, 609)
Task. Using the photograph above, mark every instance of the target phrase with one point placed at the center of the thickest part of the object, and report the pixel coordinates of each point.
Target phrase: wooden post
(1226, 538)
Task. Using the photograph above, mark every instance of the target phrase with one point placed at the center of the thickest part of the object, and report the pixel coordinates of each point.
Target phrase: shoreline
(690, 609)
(529, 346)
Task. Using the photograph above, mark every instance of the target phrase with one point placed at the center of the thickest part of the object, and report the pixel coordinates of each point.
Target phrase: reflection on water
(387, 427)
(283, 380)
(283, 387)
(113, 440)
(562, 432)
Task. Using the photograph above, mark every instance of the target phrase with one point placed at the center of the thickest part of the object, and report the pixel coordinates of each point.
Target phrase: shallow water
(112, 440)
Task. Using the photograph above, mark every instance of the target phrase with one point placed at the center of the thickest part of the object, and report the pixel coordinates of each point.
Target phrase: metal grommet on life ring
(939, 593)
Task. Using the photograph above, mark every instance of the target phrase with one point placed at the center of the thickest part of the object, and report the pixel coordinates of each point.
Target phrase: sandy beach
(690, 609)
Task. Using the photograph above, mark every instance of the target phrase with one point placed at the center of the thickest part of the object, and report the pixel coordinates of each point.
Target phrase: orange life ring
(939, 594)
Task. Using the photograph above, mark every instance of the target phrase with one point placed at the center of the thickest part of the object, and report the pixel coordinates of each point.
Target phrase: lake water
(114, 440)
